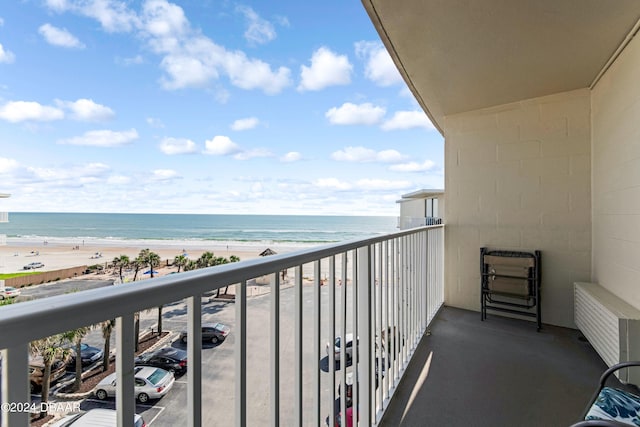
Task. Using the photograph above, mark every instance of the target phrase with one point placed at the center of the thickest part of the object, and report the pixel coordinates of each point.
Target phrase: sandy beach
(60, 254)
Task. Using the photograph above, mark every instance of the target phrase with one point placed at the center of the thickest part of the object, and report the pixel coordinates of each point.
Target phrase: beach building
(4, 217)
(538, 103)
(420, 208)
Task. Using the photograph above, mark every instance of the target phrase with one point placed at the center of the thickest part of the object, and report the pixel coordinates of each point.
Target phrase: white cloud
(382, 184)
(379, 67)
(332, 183)
(245, 124)
(352, 114)
(19, 111)
(103, 138)
(1, 22)
(250, 154)
(259, 30)
(192, 60)
(408, 120)
(189, 59)
(164, 175)
(327, 69)
(6, 56)
(221, 146)
(113, 15)
(87, 110)
(362, 155)
(155, 122)
(118, 180)
(171, 146)
(292, 156)
(413, 166)
(7, 165)
(59, 37)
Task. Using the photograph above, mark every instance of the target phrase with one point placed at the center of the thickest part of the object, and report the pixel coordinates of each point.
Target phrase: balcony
(391, 284)
(4, 216)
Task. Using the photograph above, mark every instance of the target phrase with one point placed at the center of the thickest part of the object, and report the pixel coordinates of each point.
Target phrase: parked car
(98, 417)
(9, 292)
(88, 354)
(337, 345)
(167, 358)
(214, 332)
(36, 372)
(150, 383)
(33, 266)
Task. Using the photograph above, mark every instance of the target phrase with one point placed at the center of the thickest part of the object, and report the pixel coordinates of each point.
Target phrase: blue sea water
(186, 227)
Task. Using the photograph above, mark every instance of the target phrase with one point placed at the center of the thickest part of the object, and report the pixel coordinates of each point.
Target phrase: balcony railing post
(194, 358)
(15, 384)
(297, 407)
(125, 343)
(364, 371)
(275, 350)
(316, 340)
(241, 354)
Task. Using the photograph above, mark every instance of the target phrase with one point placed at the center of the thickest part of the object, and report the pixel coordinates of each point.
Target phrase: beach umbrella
(268, 252)
(149, 272)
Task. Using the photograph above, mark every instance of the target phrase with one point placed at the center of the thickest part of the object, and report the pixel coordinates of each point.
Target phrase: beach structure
(4, 217)
(419, 208)
(538, 105)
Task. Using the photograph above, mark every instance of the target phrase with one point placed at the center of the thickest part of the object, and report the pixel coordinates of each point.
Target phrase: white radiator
(611, 325)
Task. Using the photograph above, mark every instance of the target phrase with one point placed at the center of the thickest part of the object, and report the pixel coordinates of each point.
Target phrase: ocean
(123, 228)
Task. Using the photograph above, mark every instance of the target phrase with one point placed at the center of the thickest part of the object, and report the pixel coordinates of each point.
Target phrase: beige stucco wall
(616, 176)
(518, 177)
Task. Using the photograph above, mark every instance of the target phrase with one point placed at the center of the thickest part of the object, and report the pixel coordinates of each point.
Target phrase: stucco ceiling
(462, 55)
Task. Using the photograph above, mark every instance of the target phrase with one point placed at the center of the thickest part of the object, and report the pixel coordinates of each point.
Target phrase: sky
(252, 107)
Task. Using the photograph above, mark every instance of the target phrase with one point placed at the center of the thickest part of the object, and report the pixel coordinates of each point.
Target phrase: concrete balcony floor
(499, 372)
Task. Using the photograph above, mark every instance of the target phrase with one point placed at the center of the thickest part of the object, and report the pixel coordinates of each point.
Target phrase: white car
(33, 266)
(98, 417)
(9, 292)
(150, 383)
(336, 347)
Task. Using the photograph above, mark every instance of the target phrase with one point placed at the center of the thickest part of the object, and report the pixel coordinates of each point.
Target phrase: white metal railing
(4, 216)
(406, 222)
(384, 291)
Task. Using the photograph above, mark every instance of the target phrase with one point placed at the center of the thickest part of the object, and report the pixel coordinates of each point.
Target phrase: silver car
(150, 383)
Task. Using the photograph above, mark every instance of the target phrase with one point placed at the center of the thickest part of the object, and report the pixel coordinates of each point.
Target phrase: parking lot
(218, 363)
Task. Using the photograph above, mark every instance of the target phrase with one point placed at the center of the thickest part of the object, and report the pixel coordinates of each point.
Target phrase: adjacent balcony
(385, 291)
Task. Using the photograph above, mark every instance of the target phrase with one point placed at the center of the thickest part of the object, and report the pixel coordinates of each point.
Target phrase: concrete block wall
(616, 176)
(518, 176)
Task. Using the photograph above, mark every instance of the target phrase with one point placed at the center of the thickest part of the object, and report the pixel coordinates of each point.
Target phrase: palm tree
(149, 258)
(205, 260)
(75, 337)
(232, 258)
(191, 265)
(107, 328)
(152, 259)
(137, 264)
(121, 262)
(181, 261)
(50, 349)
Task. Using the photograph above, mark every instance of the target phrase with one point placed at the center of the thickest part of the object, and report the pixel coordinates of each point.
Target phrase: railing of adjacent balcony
(406, 222)
(4, 216)
(384, 291)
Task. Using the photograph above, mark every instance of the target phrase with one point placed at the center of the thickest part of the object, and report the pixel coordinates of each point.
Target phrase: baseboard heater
(611, 325)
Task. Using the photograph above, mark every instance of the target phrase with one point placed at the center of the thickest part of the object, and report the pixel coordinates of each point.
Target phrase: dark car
(88, 355)
(167, 358)
(214, 332)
